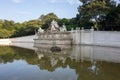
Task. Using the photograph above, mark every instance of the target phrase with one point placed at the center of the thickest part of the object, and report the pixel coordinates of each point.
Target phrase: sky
(25, 10)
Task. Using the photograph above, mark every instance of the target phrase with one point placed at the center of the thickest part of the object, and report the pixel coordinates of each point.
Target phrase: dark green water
(76, 63)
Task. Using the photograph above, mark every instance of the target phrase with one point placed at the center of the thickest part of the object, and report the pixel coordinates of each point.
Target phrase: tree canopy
(46, 19)
(93, 11)
(112, 20)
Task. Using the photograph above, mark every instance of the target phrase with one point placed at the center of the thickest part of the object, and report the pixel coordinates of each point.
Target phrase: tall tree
(92, 10)
(35, 23)
(1, 23)
(63, 21)
(5, 33)
(9, 25)
(46, 19)
(112, 20)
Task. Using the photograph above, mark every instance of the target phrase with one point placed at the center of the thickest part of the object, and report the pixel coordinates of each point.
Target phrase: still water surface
(73, 63)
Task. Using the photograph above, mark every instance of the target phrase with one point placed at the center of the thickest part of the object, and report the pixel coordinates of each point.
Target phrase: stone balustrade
(55, 35)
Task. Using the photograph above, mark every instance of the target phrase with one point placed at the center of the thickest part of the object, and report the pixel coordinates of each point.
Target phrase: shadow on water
(72, 63)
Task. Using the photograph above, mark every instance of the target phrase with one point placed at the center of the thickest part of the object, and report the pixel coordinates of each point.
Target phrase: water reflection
(10, 53)
(72, 63)
(81, 53)
(89, 62)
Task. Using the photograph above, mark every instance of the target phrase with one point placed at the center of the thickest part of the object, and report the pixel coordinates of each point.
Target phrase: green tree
(112, 20)
(92, 10)
(24, 31)
(46, 19)
(1, 23)
(9, 25)
(5, 33)
(18, 25)
(63, 21)
(7, 28)
(35, 23)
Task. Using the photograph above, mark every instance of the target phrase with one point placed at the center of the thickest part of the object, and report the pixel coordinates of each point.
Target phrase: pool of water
(72, 63)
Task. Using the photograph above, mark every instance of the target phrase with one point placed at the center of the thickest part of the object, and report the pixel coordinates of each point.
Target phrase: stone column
(92, 33)
(77, 35)
(82, 36)
(73, 36)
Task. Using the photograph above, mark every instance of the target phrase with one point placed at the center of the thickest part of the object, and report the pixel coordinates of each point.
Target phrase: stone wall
(5, 41)
(24, 39)
(106, 38)
(82, 36)
(101, 38)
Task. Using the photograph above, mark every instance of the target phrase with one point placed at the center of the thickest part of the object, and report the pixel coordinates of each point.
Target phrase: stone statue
(54, 26)
(63, 28)
(40, 30)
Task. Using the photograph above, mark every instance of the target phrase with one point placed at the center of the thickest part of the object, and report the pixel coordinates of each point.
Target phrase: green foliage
(9, 25)
(112, 20)
(70, 23)
(5, 33)
(92, 9)
(35, 23)
(9, 54)
(46, 19)
(69, 27)
(63, 21)
(12, 29)
(24, 31)
(86, 25)
(1, 23)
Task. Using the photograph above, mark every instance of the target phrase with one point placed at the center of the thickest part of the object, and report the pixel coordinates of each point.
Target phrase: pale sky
(24, 10)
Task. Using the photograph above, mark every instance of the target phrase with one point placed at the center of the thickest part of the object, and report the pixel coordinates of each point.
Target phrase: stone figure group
(53, 27)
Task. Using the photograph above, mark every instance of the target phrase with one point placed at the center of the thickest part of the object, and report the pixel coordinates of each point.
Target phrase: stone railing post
(73, 36)
(77, 35)
(82, 36)
(92, 33)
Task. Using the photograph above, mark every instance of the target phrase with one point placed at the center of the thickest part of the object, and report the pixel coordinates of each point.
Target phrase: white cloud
(17, 1)
(65, 1)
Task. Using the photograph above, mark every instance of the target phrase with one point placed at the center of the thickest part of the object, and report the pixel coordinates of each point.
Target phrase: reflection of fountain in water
(86, 60)
(94, 68)
(54, 27)
(53, 61)
(83, 53)
(40, 56)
